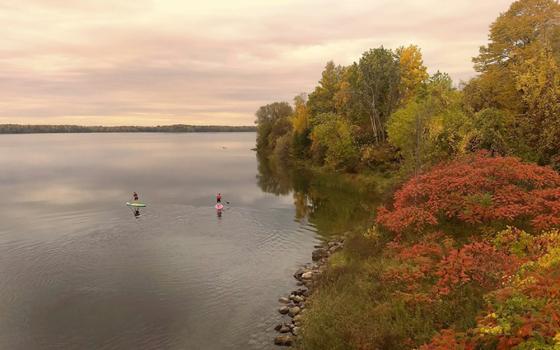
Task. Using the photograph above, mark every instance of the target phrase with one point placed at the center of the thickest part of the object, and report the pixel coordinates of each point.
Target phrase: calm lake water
(78, 270)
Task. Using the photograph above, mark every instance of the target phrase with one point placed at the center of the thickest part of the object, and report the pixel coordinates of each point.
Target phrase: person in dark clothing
(135, 196)
(219, 198)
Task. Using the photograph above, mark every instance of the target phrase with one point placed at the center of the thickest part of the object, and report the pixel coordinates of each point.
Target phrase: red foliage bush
(524, 314)
(477, 189)
(416, 263)
(434, 267)
(477, 262)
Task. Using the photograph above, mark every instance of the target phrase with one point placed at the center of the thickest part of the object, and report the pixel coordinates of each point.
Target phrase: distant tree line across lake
(40, 129)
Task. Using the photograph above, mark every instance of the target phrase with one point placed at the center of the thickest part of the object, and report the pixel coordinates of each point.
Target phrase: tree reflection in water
(334, 204)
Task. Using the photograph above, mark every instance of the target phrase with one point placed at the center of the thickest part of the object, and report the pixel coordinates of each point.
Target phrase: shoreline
(293, 307)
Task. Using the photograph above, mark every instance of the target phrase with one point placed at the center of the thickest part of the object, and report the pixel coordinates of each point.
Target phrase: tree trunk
(373, 119)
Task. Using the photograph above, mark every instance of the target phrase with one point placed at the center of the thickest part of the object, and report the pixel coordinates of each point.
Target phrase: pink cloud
(100, 62)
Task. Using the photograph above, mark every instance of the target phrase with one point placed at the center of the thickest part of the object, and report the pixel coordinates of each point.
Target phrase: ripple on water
(176, 273)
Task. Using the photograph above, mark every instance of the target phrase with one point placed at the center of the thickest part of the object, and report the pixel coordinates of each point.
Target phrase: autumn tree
(519, 74)
(301, 126)
(538, 79)
(413, 73)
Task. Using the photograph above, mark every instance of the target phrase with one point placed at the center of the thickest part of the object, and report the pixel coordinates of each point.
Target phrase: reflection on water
(333, 204)
(78, 271)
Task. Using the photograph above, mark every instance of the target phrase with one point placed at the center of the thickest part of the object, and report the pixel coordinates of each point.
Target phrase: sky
(211, 62)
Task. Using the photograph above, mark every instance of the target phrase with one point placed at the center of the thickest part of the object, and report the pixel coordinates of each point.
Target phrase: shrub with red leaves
(477, 262)
(477, 189)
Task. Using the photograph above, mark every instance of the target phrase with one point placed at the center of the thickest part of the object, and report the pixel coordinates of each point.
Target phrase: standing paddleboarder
(219, 198)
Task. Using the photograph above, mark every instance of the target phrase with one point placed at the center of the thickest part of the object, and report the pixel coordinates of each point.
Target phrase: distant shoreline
(63, 129)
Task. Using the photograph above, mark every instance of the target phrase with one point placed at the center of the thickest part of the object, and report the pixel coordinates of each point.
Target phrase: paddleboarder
(135, 196)
(219, 198)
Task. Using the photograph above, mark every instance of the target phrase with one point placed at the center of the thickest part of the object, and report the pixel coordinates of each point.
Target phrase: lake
(81, 270)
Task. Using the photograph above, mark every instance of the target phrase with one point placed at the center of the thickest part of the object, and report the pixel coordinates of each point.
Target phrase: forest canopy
(385, 111)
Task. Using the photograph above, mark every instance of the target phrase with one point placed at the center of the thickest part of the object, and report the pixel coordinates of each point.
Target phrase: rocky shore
(292, 307)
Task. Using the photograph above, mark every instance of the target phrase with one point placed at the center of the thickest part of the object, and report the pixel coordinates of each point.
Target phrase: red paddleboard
(219, 206)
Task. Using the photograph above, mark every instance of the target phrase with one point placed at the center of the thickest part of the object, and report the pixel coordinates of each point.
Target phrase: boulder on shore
(284, 340)
(299, 272)
(293, 311)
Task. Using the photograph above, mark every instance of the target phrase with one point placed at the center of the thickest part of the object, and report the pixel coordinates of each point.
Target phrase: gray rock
(294, 311)
(284, 340)
(284, 310)
(319, 254)
(285, 329)
(284, 300)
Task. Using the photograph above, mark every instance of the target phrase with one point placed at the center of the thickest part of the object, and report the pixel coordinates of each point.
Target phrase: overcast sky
(149, 62)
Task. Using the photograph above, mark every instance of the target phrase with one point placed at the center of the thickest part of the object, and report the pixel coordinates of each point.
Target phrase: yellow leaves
(413, 71)
(373, 234)
(551, 259)
(515, 31)
(538, 79)
(343, 96)
(300, 118)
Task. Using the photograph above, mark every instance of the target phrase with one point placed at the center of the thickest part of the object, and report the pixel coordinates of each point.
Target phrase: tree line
(386, 112)
(39, 129)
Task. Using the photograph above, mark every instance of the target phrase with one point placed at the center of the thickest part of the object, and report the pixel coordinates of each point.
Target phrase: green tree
(378, 88)
(272, 122)
(332, 139)
(431, 127)
(493, 130)
(321, 100)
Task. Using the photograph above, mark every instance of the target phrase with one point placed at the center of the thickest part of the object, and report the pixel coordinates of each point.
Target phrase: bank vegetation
(466, 253)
